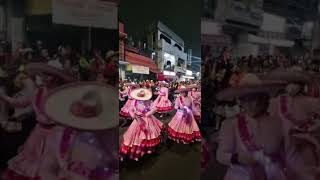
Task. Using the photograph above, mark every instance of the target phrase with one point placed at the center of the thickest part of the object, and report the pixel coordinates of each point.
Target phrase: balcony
(140, 51)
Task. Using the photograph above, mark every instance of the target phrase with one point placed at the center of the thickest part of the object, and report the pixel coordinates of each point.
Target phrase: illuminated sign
(140, 69)
(188, 77)
(169, 73)
(189, 73)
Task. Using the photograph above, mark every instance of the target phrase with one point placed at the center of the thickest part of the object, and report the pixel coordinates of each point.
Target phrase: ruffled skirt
(26, 164)
(124, 112)
(163, 105)
(183, 130)
(141, 138)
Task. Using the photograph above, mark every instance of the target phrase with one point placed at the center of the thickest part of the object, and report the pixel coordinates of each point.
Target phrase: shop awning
(140, 60)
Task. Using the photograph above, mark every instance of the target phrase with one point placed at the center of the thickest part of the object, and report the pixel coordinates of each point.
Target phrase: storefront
(43, 22)
(187, 76)
(170, 76)
(139, 67)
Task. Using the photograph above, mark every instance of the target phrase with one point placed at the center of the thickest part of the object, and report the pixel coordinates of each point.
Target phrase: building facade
(259, 27)
(133, 62)
(170, 53)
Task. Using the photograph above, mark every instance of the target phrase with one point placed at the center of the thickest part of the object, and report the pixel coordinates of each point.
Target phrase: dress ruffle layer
(124, 112)
(136, 152)
(164, 109)
(183, 137)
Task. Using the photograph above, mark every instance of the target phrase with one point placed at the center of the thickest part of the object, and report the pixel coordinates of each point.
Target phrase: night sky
(181, 16)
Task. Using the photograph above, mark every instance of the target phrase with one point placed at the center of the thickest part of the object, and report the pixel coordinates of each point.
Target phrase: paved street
(175, 162)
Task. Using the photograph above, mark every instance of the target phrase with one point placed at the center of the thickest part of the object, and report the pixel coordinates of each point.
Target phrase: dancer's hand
(138, 113)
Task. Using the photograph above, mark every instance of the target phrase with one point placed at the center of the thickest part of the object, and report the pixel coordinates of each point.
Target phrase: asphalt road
(171, 162)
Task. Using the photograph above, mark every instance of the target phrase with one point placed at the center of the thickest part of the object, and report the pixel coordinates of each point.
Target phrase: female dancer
(297, 113)
(144, 133)
(162, 103)
(245, 142)
(85, 146)
(18, 126)
(22, 119)
(183, 127)
(124, 111)
(195, 96)
(27, 163)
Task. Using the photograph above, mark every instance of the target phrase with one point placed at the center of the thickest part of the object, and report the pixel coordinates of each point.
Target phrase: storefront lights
(169, 73)
(189, 73)
(188, 77)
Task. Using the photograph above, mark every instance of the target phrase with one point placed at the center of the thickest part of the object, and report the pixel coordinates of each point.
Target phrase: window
(180, 62)
(165, 38)
(179, 47)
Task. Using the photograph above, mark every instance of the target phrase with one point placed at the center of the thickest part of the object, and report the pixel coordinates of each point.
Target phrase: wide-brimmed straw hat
(182, 89)
(83, 105)
(141, 94)
(250, 84)
(293, 75)
(42, 68)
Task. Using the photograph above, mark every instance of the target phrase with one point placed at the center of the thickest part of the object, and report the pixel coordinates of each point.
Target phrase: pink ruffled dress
(124, 112)
(162, 102)
(144, 133)
(298, 116)
(246, 136)
(26, 165)
(183, 127)
(196, 105)
(79, 155)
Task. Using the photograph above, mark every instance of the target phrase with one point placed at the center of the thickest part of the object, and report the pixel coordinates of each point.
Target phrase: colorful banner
(90, 13)
(140, 69)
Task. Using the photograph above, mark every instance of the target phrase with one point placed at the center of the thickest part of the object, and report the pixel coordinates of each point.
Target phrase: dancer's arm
(151, 112)
(20, 102)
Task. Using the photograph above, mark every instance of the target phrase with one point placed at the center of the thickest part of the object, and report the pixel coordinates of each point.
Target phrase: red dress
(144, 133)
(183, 127)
